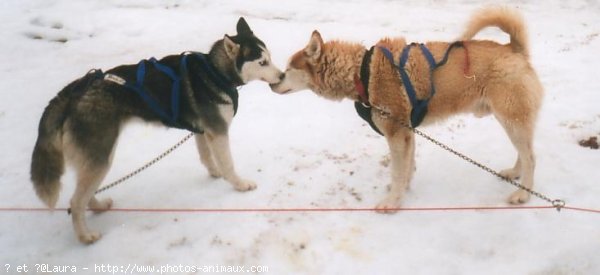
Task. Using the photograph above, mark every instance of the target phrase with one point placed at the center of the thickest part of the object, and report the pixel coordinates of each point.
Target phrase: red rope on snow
(263, 210)
(582, 209)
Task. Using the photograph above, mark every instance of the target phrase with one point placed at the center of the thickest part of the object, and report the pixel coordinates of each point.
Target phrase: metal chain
(145, 166)
(556, 203)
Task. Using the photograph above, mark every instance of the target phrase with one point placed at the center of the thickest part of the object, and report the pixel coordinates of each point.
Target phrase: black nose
(281, 76)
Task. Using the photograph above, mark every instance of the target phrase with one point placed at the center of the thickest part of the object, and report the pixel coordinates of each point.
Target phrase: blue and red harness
(419, 106)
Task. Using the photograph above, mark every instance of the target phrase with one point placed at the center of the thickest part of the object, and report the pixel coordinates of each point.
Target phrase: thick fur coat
(82, 123)
(483, 77)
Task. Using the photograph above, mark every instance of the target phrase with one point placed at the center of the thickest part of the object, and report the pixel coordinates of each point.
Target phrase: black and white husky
(192, 91)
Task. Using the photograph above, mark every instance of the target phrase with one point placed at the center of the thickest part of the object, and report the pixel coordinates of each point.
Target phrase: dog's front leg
(219, 146)
(206, 156)
(402, 150)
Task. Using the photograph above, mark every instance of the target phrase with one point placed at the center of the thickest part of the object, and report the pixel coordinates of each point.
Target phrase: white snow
(303, 151)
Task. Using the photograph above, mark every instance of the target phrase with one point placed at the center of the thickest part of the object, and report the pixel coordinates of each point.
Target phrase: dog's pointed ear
(313, 49)
(231, 48)
(242, 27)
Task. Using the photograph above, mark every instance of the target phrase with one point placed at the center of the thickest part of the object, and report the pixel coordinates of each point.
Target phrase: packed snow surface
(302, 150)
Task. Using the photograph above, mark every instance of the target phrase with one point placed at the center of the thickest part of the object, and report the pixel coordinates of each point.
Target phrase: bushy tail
(507, 19)
(47, 161)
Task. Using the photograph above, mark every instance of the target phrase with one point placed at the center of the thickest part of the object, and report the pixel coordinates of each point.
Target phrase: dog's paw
(245, 185)
(101, 206)
(389, 205)
(511, 173)
(89, 237)
(215, 172)
(519, 197)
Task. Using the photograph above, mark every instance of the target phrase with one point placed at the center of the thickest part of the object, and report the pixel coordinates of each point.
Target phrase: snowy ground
(303, 151)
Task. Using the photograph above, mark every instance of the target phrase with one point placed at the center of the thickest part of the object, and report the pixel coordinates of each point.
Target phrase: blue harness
(171, 118)
(138, 88)
(419, 106)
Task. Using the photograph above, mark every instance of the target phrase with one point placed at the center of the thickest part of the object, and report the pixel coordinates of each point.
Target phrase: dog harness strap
(172, 119)
(432, 66)
(140, 74)
(428, 55)
(410, 90)
(361, 83)
(419, 106)
(175, 89)
(361, 80)
(457, 44)
(138, 87)
(364, 112)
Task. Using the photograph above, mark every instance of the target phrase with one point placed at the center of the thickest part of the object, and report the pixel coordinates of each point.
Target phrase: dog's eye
(263, 63)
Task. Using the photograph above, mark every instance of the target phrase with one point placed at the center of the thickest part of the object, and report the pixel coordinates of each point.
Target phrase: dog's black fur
(92, 110)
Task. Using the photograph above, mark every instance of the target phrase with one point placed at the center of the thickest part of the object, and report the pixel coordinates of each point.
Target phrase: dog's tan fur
(500, 81)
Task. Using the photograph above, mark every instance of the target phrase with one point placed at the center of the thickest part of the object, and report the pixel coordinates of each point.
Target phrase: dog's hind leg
(402, 150)
(512, 173)
(91, 150)
(206, 156)
(515, 104)
(522, 138)
(89, 177)
(518, 120)
(99, 206)
(219, 146)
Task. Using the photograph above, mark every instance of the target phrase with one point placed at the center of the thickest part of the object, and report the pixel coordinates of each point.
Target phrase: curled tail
(507, 19)
(47, 160)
